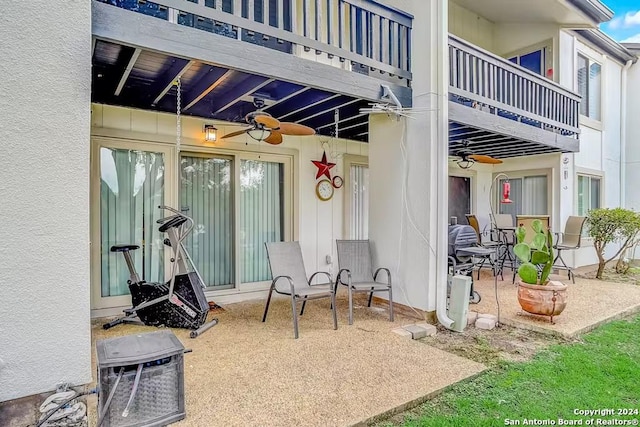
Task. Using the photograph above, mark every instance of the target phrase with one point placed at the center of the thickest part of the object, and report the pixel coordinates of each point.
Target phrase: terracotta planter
(545, 300)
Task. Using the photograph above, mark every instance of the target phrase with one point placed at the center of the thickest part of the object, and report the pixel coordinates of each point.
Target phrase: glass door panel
(131, 189)
(261, 215)
(206, 195)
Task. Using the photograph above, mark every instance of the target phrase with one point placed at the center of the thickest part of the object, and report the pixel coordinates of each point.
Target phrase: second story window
(589, 87)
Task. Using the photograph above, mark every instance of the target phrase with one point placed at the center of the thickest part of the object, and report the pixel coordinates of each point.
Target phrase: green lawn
(603, 371)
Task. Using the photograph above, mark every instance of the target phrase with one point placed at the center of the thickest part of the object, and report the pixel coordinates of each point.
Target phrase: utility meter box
(458, 290)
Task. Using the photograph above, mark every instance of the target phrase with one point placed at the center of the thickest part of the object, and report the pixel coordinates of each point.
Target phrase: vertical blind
(131, 189)
(261, 215)
(206, 196)
(359, 178)
(589, 87)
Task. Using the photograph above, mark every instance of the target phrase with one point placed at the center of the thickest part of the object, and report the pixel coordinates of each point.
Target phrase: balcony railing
(370, 36)
(494, 84)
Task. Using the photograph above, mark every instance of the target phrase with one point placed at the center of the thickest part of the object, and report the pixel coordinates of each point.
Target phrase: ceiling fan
(466, 158)
(266, 128)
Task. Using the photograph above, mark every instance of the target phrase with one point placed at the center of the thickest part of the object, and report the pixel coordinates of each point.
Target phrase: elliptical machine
(179, 303)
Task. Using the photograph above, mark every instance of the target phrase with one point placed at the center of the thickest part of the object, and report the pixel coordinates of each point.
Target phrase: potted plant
(536, 293)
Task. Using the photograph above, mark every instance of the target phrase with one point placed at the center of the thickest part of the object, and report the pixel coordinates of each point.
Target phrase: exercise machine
(178, 303)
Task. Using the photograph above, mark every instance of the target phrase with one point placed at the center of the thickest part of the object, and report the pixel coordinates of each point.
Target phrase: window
(589, 193)
(589, 87)
(538, 61)
(529, 196)
(356, 197)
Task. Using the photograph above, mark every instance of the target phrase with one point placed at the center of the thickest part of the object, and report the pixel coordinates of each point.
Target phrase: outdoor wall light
(210, 133)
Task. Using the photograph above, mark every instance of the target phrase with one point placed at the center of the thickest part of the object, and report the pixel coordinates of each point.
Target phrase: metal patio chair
(569, 240)
(290, 278)
(473, 222)
(356, 272)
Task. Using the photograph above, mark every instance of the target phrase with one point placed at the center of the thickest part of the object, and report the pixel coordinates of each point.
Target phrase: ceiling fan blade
(236, 133)
(287, 128)
(481, 158)
(267, 121)
(275, 138)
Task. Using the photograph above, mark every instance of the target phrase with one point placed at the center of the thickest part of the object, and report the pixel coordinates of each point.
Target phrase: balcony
(503, 110)
(304, 59)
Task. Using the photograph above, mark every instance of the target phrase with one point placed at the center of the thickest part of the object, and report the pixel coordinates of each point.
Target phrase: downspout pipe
(442, 161)
(623, 133)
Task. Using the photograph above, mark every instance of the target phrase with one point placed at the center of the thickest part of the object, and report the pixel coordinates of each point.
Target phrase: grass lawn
(602, 371)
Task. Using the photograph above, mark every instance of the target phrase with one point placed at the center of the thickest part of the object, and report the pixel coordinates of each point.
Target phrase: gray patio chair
(354, 259)
(290, 278)
(569, 240)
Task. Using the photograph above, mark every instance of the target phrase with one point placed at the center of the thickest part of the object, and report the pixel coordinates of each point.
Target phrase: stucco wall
(44, 176)
(408, 212)
(471, 27)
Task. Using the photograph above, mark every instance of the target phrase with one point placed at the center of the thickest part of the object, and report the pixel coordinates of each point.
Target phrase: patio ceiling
(501, 146)
(140, 78)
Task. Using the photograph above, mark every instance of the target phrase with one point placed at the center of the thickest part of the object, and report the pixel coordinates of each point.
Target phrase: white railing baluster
(318, 20)
(331, 7)
(265, 12)
(280, 13)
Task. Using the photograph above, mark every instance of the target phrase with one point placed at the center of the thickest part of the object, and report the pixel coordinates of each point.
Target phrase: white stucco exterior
(44, 182)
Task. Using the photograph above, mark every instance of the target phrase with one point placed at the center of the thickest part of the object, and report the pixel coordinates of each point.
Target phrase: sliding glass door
(207, 195)
(238, 201)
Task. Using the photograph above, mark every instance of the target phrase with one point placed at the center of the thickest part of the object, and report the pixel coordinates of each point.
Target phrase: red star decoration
(323, 166)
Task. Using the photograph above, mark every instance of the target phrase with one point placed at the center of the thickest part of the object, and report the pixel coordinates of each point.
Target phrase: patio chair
(475, 224)
(356, 273)
(569, 240)
(290, 278)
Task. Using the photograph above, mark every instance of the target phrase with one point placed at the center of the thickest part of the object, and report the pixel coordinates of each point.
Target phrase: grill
(461, 238)
(463, 247)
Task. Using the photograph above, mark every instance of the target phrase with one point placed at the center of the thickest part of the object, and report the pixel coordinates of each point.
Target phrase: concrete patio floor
(246, 373)
(590, 303)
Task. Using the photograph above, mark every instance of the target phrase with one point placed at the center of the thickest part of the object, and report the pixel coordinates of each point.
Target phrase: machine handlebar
(175, 221)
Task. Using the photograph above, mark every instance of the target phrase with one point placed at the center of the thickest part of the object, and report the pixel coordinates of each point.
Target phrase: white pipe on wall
(442, 161)
(623, 132)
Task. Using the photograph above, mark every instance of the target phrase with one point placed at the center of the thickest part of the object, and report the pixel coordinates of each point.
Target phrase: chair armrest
(557, 239)
(275, 279)
(375, 275)
(339, 276)
(320, 272)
